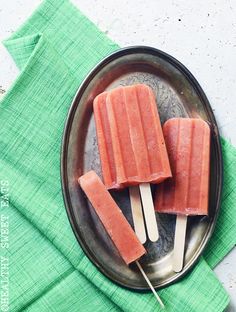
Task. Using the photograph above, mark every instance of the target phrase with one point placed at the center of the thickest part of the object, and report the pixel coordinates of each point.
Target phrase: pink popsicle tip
(143, 86)
(140, 86)
(96, 101)
(136, 86)
(90, 175)
(195, 120)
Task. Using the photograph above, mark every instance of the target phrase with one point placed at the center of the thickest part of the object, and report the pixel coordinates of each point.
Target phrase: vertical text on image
(4, 246)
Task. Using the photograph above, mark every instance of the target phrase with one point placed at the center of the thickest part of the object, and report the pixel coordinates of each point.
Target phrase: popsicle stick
(137, 213)
(149, 212)
(179, 243)
(150, 284)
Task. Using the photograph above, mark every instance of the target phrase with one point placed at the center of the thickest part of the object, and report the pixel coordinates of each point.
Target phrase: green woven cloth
(48, 271)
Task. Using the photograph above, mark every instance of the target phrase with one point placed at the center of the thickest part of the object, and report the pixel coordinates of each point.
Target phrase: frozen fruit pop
(186, 194)
(188, 145)
(132, 148)
(114, 222)
(130, 139)
(112, 218)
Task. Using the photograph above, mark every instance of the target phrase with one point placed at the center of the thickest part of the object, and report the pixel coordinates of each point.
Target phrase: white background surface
(201, 34)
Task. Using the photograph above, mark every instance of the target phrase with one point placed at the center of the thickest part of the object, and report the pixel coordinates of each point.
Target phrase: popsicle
(132, 148)
(114, 222)
(186, 194)
(130, 138)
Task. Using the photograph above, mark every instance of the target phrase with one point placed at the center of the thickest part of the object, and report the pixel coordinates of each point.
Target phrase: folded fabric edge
(36, 43)
(22, 48)
(35, 304)
(50, 287)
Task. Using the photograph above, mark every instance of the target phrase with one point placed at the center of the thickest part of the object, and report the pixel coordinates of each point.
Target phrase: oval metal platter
(178, 94)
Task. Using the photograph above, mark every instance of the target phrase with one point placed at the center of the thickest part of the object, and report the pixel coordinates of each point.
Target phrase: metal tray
(178, 94)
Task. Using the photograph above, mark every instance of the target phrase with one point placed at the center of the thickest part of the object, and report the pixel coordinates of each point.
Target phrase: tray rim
(64, 150)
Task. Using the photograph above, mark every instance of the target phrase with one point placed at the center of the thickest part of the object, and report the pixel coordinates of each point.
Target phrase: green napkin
(48, 271)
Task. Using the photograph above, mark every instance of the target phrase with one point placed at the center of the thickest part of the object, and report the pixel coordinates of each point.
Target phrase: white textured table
(201, 34)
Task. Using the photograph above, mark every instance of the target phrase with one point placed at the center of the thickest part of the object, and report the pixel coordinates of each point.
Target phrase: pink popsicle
(186, 194)
(112, 218)
(115, 223)
(188, 145)
(130, 139)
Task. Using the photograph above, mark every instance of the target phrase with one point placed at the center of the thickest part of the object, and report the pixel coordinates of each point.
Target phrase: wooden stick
(179, 243)
(150, 285)
(137, 213)
(149, 212)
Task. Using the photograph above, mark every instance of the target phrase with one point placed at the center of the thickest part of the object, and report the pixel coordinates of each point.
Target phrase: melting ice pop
(186, 194)
(132, 148)
(114, 222)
